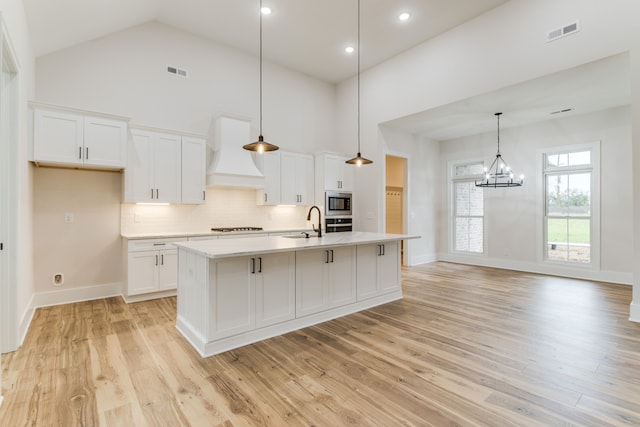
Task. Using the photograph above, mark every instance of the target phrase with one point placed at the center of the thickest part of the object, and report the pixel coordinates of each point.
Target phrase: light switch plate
(68, 218)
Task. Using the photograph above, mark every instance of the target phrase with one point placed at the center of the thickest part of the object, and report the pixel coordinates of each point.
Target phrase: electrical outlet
(68, 218)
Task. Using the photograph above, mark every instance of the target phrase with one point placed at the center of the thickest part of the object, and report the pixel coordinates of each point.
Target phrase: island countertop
(228, 248)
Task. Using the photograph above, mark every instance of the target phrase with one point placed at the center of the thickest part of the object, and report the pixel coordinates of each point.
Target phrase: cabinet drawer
(153, 244)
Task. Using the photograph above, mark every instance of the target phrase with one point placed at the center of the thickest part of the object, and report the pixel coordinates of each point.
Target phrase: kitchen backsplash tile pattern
(225, 207)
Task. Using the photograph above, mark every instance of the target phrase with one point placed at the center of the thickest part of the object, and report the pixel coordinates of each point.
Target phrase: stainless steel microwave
(337, 203)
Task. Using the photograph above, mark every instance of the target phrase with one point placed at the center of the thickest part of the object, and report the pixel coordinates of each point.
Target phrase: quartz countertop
(227, 248)
(179, 234)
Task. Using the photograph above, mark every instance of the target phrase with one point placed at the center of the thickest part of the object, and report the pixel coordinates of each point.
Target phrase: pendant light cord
(260, 11)
(498, 116)
(358, 77)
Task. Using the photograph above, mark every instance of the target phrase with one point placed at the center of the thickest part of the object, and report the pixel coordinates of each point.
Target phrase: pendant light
(499, 174)
(359, 160)
(260, 145)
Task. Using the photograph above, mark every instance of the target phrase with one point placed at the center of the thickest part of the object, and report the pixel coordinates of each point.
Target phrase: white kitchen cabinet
(151, 266)
(269, 165)
(378, 269)
(333, 173)
(325, 278)
(153, 172)
(193, 169)
(296, 179)
(69, 138)
(251, 292)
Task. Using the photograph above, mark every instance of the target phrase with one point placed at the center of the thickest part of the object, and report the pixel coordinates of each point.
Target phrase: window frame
(594, 226)
(453, 180)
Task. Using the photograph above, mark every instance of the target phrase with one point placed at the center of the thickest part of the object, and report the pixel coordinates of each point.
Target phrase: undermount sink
(300, 236)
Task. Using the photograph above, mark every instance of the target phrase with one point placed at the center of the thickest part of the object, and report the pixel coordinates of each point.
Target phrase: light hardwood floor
(466, 346)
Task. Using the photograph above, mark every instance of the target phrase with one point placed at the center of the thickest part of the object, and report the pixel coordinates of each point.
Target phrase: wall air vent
(566, 30)
(177, 71)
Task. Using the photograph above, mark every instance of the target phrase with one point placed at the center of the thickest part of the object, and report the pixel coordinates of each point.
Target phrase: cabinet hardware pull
(265, 197)
(80, 153)
(253, 266)
(260, 264)
(331, 250)
(162, 259)
(157, 194)
(326, 257)
(204, 195)
(379, 250)
(159, 244)
(156, 259)
(383, 251)
(86, 153)
(152, 193)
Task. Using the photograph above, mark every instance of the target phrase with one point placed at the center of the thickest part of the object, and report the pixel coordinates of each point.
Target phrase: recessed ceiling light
(266, 10)
(404, 16)
(349, 49)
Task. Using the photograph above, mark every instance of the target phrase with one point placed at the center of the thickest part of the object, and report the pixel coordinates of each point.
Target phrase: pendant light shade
(499, 174)
(260, 145)
(359, 160)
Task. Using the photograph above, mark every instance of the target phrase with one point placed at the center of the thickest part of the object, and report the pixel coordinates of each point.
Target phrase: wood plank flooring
(466, 346)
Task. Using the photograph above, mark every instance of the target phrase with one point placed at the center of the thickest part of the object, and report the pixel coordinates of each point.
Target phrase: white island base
(235, 292)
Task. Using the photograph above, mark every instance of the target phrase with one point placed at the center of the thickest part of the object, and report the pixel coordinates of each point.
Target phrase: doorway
(395, 198)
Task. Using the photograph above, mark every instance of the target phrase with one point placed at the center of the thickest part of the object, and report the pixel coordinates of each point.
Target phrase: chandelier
(499, 174)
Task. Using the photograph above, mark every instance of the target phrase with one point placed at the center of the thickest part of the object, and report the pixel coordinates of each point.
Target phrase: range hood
(231, 165)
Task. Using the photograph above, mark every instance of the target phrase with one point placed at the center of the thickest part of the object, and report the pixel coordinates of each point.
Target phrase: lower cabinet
(151, 266)
(325, 278)
(378, 269)
(251, 292)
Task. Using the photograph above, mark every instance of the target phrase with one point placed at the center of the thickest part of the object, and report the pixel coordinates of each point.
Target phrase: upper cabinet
(296, 179)
(332, 174)
(164, 167)
(194, 170)
(68, 137)
(288, 178)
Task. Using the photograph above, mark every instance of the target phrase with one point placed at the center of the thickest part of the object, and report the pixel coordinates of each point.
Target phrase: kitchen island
(235, 292)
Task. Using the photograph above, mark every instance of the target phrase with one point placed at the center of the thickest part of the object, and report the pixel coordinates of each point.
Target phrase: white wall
(15, 21)
(125, 74)
(504, 47)
(513, 216)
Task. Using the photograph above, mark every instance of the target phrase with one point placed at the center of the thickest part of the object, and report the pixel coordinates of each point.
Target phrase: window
(569, 221)
(468, 208)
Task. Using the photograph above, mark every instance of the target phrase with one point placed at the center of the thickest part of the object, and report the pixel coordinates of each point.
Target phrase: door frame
(405, 200)
(9, 117)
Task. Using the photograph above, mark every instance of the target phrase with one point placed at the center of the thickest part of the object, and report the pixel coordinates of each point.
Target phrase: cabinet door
(305, 179)
(367, 270)
(166, 168)
(388, 268)
(270, 162)
(232, 298)
(142, 272)
(275, 288)
(138, 184)
(311, 279)
(342, 276)
(288, 185)
(105, 142)
(193, 170)
(58, 137)
(167, 269)
(338, 176)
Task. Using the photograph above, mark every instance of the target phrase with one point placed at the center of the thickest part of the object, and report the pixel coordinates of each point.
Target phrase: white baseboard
(85, 293)
(146, 297)
(634, 311)
(622, 278)
(25, 321)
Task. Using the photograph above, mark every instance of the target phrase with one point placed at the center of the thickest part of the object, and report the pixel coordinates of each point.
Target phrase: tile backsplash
(225, 207)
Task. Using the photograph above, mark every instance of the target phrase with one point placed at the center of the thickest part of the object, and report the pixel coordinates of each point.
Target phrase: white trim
(634, 312)
(68, 296)
(146, 297)
(451, 180)
(574, 272)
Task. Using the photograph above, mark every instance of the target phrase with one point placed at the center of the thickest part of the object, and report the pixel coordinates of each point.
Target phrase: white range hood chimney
(232, 166)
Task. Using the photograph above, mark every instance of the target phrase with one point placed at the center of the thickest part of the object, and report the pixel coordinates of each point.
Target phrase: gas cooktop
(231, 229)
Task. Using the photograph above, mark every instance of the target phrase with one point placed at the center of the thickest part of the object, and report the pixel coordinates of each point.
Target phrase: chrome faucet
(319, 230)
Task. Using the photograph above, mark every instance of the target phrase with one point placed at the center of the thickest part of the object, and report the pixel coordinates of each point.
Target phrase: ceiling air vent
(566, 30)
(177, 71)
